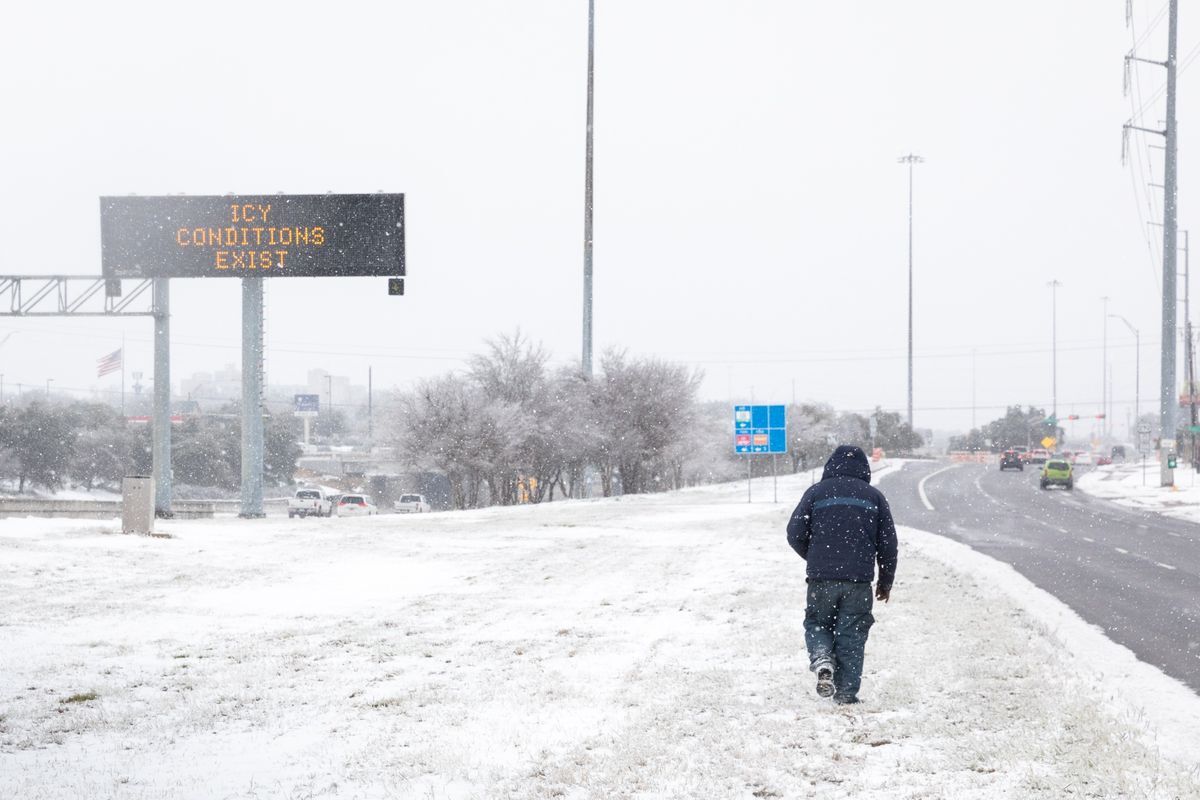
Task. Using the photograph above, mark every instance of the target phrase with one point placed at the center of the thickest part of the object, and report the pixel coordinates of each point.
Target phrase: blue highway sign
(760, 429)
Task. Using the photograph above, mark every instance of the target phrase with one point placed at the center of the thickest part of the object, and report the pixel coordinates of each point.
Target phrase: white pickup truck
(412, 504)
(310, 503)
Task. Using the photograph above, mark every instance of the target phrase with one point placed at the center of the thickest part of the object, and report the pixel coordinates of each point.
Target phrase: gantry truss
(73, 295)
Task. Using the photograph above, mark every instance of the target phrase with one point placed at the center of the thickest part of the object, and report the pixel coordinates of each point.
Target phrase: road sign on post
(248, 237)
(759, 430)
(1144, 443)
(307, 405)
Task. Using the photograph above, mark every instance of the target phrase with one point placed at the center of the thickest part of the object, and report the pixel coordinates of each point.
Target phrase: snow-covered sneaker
(845, 700)
(825, 680)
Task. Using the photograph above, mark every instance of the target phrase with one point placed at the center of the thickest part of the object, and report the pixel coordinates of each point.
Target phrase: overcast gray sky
(750, 213)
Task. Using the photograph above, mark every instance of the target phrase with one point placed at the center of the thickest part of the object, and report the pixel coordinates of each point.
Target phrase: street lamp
(1137, 390)
(1105, 428)
(1054, 284)
(910, 159)
(587, 199)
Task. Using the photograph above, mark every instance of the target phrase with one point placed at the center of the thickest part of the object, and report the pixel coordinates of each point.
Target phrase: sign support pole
(252, 398)
(749, 477)
(775, 475)
(161, 448)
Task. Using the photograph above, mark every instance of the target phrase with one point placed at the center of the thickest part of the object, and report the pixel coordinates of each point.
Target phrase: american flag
(110, 363)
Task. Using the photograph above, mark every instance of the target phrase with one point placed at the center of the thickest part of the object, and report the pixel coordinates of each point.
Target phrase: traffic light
(1171, 460)
(395, 286)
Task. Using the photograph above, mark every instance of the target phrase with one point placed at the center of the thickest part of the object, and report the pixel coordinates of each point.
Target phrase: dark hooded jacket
(843, 525)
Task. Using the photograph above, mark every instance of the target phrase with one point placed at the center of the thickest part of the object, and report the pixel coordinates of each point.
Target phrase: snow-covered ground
(635, 647)
(1132, 485)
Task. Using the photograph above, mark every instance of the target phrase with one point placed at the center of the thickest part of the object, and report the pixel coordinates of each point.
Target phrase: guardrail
(94, 509)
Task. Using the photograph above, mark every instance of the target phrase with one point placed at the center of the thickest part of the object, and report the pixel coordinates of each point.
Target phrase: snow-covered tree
(450, 425)
(647, 413)
(40, 441)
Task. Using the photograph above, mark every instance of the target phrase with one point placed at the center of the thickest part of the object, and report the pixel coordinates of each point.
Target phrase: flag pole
(122, 375)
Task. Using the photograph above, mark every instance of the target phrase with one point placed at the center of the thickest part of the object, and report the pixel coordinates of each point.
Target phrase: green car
(1058, 473)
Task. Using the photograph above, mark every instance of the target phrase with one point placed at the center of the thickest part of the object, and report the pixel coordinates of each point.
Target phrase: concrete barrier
(137, 504)
(967, 457)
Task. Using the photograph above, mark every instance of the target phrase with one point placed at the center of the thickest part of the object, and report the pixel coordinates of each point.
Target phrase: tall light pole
(910, 159)
(48, 380)
(1137, 379)
(972, 388)
(587, 201)
(1104, 373)
(1054, 284)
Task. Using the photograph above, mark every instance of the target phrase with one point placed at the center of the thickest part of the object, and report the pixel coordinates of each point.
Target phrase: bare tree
(648, 412)
(449, 425)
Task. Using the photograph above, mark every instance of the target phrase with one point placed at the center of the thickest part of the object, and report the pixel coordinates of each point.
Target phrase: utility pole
(910, 159)
(587, 201)
(1189, 349)
(1054, 284)
(1104, 374)
(1167, 402)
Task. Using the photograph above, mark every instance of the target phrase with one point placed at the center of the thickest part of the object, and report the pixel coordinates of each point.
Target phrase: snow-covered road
(635, 647)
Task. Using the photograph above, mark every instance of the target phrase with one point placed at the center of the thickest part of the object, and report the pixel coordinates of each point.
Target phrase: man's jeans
(837, 619)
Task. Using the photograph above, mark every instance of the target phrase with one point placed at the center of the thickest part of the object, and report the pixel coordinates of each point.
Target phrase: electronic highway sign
(279, 235)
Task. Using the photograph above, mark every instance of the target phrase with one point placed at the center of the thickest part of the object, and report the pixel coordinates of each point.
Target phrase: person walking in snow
(842, 528)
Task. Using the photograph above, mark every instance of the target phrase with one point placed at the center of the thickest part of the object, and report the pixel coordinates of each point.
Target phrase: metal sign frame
(760, 430)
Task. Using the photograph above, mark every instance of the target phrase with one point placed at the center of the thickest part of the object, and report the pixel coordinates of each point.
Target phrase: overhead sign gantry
(249, 237)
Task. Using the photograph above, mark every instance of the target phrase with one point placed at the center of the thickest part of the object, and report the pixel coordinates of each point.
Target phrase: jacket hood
(848, 462)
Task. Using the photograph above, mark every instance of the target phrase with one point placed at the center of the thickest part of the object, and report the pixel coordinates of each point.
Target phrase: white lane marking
(1089, 539)
(1063, 530)
(1173, 533)
(921, 486)
(981, 490)
(1164, 566)
(1121, 551)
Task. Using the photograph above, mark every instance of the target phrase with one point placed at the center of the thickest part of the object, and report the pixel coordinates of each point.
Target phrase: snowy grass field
(645, 647)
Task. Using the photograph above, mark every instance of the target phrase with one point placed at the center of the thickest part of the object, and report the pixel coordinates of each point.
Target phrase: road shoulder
(1130, 689)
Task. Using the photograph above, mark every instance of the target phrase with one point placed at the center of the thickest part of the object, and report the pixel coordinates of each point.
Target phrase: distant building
(210, 390)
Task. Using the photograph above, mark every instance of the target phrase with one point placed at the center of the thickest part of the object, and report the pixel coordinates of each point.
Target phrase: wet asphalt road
(1135, 574)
